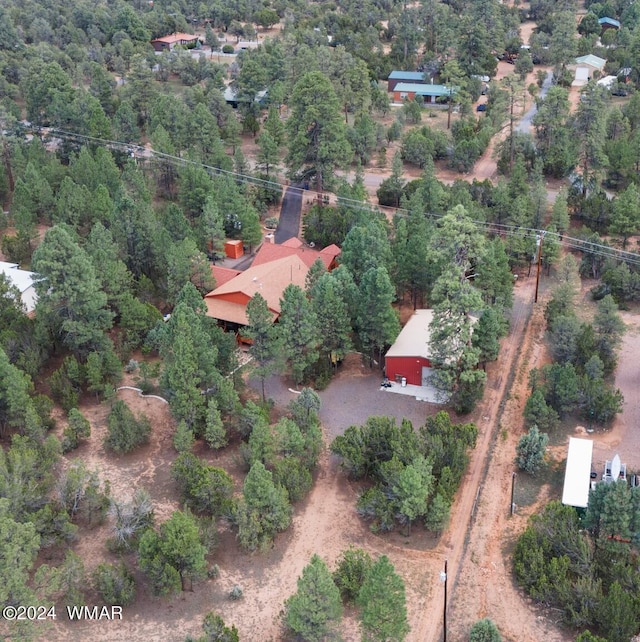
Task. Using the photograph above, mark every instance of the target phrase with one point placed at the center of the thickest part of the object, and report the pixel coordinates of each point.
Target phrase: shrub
(125, 431)
(78, 428)
(484, 631)
(215, 630)
(115, 583)
(530, 450)
(228, 49)
(291, 473)
(183, 438)
(236, 593)
(205, 489)
(131, 519)
(353, 568)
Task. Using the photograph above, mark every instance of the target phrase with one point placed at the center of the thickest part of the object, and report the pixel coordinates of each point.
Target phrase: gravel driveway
(351, 399)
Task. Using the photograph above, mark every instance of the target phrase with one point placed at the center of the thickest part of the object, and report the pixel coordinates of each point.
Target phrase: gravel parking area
(352, 397)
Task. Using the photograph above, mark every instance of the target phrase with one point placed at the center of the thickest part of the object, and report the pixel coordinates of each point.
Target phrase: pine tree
(183, 438)
(317, 135)
(214, 433)
(531, 449)
(484, 631)
(333, 317)
(383, 603)
(265, 510)
(314, 610)
(377, 322)
(174, 556)
(265, 345)
(298, 331)
(70, 297)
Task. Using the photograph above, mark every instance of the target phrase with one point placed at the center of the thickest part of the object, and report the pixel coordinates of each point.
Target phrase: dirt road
(473, 544)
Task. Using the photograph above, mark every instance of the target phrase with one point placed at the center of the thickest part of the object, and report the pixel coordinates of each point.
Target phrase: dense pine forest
(124, 170)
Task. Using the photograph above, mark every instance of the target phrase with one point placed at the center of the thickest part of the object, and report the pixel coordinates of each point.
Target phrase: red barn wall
(409, 367)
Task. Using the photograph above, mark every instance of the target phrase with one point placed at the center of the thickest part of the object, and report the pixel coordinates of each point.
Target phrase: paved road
(524, 126)
(289, 225)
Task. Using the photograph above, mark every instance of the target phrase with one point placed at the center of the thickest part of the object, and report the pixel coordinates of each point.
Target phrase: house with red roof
(174, 40)
(273, 269)
(294, 246)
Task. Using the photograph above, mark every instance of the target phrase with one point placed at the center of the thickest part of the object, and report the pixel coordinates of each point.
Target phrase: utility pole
(539, 240)
(443, 578)
(513, 490)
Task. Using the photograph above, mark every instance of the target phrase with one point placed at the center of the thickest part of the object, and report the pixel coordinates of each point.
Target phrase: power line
(590, 247)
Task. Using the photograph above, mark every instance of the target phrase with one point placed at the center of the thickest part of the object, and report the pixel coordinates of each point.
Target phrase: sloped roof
(423, 90)
(406, 75)
(592, 61)
(21, 279)
(295, 247)
(413, 340)
(609, 21)
(176, 37)
(223, 274)
(269, 279)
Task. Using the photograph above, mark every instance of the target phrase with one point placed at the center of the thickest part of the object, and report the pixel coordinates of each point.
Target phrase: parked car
(482, 107)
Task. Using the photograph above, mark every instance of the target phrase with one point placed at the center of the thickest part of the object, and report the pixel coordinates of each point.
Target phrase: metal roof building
(407, 90)
(24, 281)
(577, 476)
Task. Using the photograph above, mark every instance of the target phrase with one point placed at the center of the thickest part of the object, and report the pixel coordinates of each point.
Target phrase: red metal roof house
(409, 356)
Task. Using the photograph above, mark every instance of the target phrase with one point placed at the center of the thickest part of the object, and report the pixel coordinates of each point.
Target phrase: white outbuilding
(577, 476)
(24, 281)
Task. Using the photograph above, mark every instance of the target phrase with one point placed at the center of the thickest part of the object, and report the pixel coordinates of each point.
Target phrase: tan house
(175, 39)
(273, 269)
(228, 302)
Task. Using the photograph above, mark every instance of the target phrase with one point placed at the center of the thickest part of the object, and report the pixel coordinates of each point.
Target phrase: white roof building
(24, 281)
(413, 340)
(577, 476)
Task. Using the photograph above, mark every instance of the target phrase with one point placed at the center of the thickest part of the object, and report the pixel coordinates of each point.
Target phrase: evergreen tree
(484, 631)
(115, 279)
(353, 567)
(312, 612)
(205, 489)
(265, 510)
(560, 213)
(538, 413)
(78, 428)
(183, 438)
(333, 317)
(486, 335)
(189, 366)
(19, 546)
(215, 630)
(70, 300)
(174, 556)
(214, 433)
(377, 321)
(609, 329)
(317, 135)
(268, 156)
(266, 346)
(298, 331)
(125, 432)
(382, 599)
(531, 449)
(618, 614)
